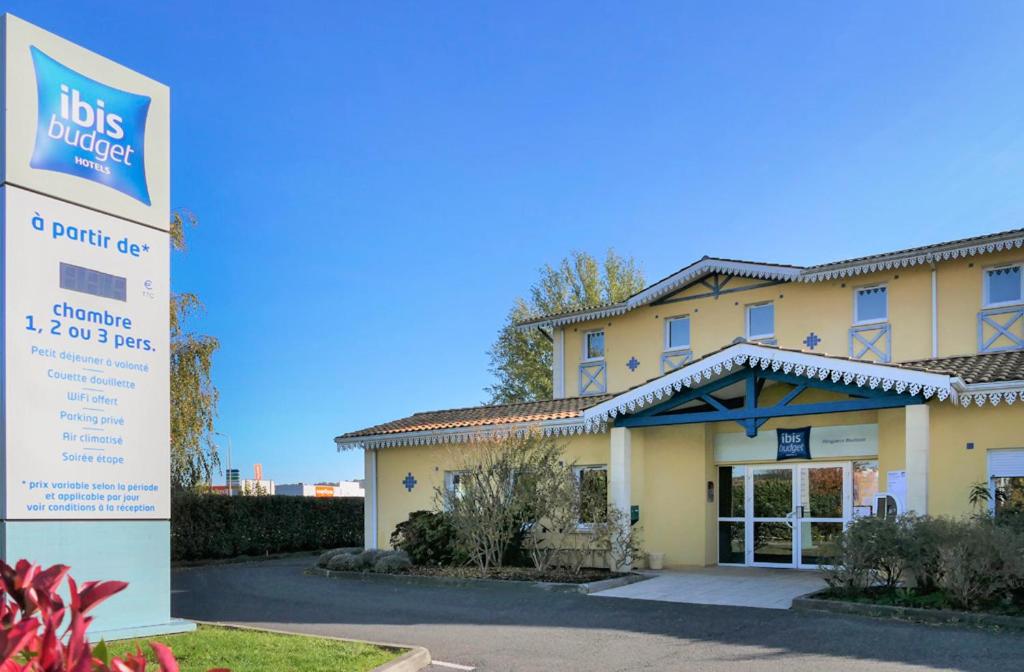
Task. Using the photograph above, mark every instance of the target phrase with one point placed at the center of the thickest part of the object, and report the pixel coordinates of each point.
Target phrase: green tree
(193, 394)
(521, 359)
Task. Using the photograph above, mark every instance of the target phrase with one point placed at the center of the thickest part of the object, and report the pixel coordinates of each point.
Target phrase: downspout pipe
(935, 312)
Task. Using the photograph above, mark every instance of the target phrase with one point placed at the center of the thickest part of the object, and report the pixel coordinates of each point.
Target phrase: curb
(608, 584)
(584, 588)
(938, 616)
(413, 660)
(415, 657)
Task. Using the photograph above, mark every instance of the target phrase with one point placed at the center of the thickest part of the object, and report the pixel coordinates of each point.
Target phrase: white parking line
(454, 666)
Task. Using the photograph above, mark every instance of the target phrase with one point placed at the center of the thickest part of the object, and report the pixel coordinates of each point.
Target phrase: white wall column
(918, 446)
(370, 499)
(620, 474)
(558, 364)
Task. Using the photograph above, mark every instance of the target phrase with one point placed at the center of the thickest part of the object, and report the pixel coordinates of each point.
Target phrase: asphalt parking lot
(508, 626)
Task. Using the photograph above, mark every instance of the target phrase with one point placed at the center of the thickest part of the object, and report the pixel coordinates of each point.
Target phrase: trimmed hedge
(214, 526)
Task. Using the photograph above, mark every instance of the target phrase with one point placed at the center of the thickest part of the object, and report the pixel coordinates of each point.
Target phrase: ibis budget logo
(90, 130)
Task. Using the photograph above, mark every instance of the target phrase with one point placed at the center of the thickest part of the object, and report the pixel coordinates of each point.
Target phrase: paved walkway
(513, 627)
(727, 586)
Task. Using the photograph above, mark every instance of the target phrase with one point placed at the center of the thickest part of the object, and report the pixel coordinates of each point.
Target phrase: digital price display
(88, 281)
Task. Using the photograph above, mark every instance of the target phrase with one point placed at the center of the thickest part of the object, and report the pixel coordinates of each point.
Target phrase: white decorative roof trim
(561, 321)
(803, 364)
(940, 253)
(673, 283)
(882, 262)
(979, 394)
(695, 271)
(454, 435)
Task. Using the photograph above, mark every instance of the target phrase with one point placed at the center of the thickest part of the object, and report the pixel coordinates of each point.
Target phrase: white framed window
(593, 345)
(677, 333)
(453, 483)
(871, 304)
(1004, 285)
(760, 321)
(593, 481)
(1006, 480)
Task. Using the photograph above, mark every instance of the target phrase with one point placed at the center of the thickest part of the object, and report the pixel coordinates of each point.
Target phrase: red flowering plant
(32, 615)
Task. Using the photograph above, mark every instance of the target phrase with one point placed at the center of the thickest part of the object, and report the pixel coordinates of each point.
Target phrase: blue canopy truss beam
(750, 416)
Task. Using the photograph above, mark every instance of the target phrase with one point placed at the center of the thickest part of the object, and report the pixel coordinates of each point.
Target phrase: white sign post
(86, 285)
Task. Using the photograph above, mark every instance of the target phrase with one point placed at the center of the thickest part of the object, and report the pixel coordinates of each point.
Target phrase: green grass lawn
(252, 651)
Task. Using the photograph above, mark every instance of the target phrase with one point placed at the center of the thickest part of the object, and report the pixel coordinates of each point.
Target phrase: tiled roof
(922, 249)
(965, 247)
(994, 367)
(479, 416)
(972, 369)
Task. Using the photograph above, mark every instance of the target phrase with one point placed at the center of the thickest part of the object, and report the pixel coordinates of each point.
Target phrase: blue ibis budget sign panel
(89, 129)
(82, 128)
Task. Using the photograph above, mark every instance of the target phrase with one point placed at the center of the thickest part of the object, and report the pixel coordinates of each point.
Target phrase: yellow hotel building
(693, 395)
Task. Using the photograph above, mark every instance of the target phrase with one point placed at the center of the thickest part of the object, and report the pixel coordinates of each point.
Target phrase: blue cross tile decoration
(812, 340)
(633, 363)
(409, 482)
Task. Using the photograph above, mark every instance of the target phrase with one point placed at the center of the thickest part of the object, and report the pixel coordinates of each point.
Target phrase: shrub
(346, 562)
(429, 539)
(215, 526)
(971, 564)
(922, 543)
(871, 551)
(32, 613)
(1010, 518)
(852, 567)
(370, 556)
(358, 560)
(496, 498)
(392, 562)
(326, 556)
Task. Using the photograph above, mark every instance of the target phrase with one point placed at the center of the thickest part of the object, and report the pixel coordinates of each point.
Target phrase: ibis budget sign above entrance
(80, 125)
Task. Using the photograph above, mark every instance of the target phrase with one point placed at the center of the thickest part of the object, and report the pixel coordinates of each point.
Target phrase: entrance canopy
(726, 386)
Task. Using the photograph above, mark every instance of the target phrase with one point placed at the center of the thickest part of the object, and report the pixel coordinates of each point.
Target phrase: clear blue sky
(376, 183)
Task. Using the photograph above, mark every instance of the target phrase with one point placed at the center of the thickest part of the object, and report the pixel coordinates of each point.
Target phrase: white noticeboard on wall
(896, 485)
(86, 363)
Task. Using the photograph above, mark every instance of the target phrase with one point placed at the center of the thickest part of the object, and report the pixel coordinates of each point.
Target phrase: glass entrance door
(771, 524)
(823, 507)
(782, 515)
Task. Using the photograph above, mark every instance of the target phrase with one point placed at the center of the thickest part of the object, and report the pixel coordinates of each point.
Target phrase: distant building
(340, 489)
